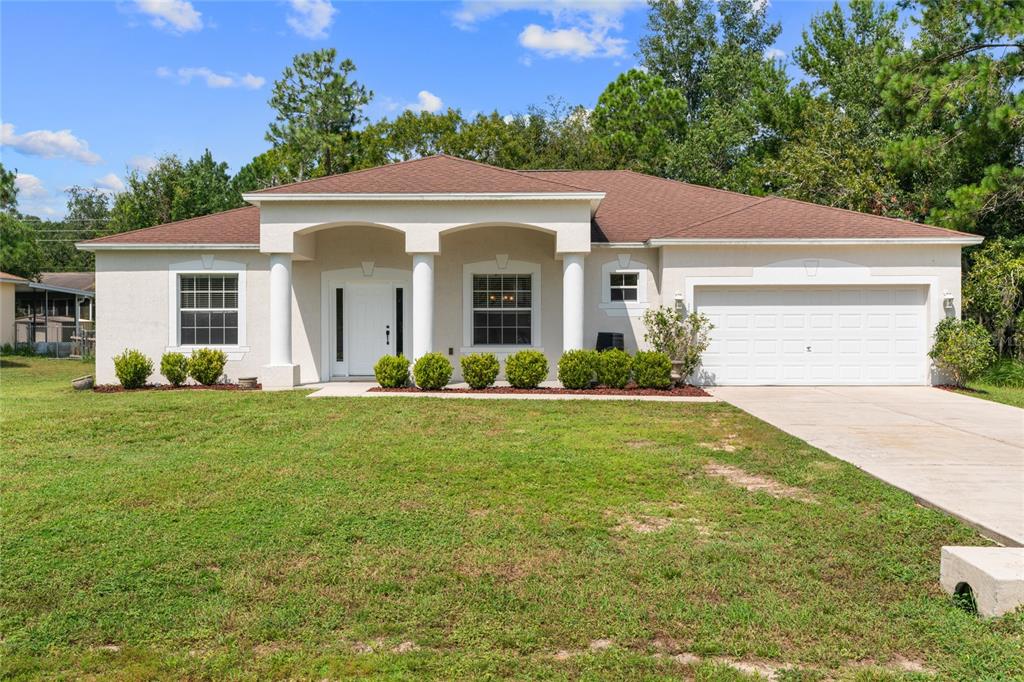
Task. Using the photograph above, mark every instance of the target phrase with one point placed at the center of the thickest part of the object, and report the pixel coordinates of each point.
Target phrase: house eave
(877, 241)
(257, 198)
(122, 246)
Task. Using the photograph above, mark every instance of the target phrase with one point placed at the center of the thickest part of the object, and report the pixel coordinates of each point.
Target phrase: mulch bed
(685, 391)
(117, 388)
(957, 389)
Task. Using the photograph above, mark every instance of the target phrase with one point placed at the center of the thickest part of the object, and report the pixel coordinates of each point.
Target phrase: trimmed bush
(174, 367)
(526, 369)
(207, 365)
(132, 368)
(614, 367)
(480, 370)
(392, 371)
(652, 369)
(432, 372)
(963, 349)
(577, 368)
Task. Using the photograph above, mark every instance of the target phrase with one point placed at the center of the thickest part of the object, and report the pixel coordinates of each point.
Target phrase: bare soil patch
(755, 483)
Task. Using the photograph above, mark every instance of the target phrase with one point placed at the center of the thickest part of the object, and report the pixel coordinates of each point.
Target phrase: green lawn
(264, 535)
(1000, 394)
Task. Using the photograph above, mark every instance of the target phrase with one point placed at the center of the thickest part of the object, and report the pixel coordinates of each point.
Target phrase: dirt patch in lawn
(755, 483)
(676, 391)
(640, 443)
(642, 523)
(729, 443)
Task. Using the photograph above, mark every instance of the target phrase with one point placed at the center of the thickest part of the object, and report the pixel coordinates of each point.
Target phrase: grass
(1003, 382)
(194, 535)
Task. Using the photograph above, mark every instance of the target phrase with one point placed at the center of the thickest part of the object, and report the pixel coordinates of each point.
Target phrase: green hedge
(207, 365)
(392, 371)
(526, 369)
(132, 368)
(432, 371)
(480, 370)
(614, 367)
(577, 368)
(652, 369)
(174, 367)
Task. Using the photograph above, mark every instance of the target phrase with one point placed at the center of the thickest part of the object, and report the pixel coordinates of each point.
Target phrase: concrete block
(995, 576)
(277, 377)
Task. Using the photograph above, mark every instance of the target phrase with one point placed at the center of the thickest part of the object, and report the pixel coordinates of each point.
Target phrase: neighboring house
(8, 283)
(55, 314)
(320, 278)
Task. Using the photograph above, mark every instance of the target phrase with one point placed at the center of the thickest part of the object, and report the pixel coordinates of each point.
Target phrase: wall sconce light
(679, 301)
(947, 300)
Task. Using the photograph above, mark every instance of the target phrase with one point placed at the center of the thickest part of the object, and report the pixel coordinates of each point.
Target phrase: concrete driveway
(962, 455)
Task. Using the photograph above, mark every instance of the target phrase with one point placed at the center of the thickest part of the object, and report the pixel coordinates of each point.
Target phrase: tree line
(921, 120)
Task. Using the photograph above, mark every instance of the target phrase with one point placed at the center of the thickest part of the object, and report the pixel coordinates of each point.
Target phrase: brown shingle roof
(83, 281)
(441, 174)
(7, 277)
(636, 207)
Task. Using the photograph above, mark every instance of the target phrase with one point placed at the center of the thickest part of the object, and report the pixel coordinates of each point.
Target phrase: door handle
(387, 335)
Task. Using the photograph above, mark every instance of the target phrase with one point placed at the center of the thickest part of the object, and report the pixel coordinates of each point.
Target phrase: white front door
(815, 335)
(367, 330)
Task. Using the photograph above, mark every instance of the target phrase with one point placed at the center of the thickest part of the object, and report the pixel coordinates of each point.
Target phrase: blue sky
(90, 90)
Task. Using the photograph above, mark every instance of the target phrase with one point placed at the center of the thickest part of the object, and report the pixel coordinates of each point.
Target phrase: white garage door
(815, 336)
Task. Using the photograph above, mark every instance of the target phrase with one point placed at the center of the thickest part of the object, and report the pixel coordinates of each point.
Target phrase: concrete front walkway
(960, 454)
(352, 389)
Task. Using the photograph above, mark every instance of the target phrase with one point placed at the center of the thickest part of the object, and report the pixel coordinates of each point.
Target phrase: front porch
(349, 292)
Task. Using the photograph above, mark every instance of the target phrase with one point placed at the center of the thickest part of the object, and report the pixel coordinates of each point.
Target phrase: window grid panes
(208, 310)
(502, 310)
(624, 286)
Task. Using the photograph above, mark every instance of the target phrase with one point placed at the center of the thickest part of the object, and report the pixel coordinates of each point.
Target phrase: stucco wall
(132, 307)
(6, 313)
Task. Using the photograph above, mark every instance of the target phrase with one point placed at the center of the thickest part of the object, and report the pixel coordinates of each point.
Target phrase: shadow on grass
(7, 364)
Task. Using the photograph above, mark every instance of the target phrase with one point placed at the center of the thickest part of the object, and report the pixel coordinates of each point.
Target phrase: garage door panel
(855, 334)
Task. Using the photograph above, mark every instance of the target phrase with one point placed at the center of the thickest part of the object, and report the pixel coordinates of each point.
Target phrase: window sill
(624, 308)
(496, 349)
(234, 353)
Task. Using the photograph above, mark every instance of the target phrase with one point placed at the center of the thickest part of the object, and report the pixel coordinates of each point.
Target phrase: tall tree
(8, 190)
(19, 249)
(88, 212)
(276, 166)
(204, 188)
(318, 109)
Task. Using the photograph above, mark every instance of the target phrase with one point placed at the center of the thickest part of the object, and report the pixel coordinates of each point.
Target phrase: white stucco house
(316, 280)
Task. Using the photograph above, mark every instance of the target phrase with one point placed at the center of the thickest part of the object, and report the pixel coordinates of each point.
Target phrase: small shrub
(392, 371)
(526, 369)
(614, 367)
(577, 368)
(480, 369)
(684, 338)
(132, 368)
(207, 365)
(174, 367)
(962, 349)
(432, 372)
(652, 369)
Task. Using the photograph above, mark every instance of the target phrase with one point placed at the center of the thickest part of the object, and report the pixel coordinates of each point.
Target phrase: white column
(280, 309)
(422, 304)
(572, 301)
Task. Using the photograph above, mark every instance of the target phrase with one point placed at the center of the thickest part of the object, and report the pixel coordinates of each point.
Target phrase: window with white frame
(502, 310)
(208, 309)
(624, 286)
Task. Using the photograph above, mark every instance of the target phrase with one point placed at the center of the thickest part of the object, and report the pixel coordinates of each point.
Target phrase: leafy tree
(19, 249)
(956, 102)
(204, 188)
(8, 190)
(88, 212)
(318, 110)
(276, 166)
(637, 117)
(993, 290)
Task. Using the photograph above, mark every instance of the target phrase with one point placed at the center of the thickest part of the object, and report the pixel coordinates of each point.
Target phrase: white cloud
(774, 53)
(48, 144)
(110, 182)
(174, 16)
(312, 18)
(212, 79)
(142, 163)
(426, 101)
(30, 187)
(581, 28)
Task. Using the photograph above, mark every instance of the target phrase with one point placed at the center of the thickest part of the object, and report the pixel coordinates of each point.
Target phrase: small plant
(174, 367)
(526, 369)
(684, 338)
(432, 372)
(206, 365)
(614, 367)
(480, 370)
(392, 371)
(1006, 372)
(577, 368)
(132, 368)
(962, 349)
(652, 369)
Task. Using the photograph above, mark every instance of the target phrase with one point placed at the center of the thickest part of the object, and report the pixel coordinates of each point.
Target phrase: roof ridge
(174, 222)
(416, 160)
